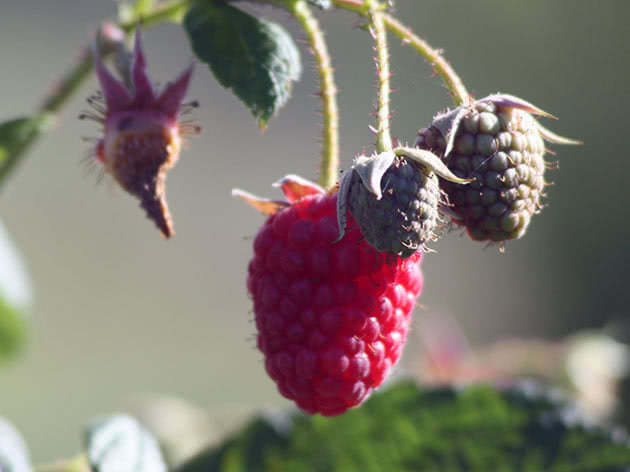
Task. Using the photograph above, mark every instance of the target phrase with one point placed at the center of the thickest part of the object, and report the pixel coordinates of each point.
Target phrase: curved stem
(383, 136)
(432, 55)
(328, 94)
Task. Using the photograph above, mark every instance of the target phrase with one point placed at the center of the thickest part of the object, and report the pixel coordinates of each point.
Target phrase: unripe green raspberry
(405, 218)
(394, 197)
(497, 144)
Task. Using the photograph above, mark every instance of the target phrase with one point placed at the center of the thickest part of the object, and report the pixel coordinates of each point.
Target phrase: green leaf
(13, 453)
(15, 138)
(120, 444)
(477, 429)
(15, 297)
(255, 58)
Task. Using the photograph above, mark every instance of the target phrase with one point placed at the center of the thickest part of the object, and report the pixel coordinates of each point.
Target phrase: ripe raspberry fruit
(142, 135)
(394, 198)
(332, 317)
(497, 144)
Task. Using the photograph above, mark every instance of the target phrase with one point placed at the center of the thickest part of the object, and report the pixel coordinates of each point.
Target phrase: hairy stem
(328, 94)
(433, 56)
(383, 137)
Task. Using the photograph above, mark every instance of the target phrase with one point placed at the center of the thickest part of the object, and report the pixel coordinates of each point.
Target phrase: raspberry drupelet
(332, 317)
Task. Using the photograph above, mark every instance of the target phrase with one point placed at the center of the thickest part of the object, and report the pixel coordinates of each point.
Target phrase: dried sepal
(295, 187)
(143, 89)
(552, 137)
(265, 206)
(342, 202)
(505, 100)
(371, 170)
(171, 98)
(447, 124)
(117, 96)
(431, 162)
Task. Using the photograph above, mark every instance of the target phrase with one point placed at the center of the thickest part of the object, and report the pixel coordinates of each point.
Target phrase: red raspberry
(332, 317)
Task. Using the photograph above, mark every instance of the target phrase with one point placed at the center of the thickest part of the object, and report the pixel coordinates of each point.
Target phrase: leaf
(255, 58)
(13, 453)
(15, 138)
(15, 297)
(405, 428)
(120, 444)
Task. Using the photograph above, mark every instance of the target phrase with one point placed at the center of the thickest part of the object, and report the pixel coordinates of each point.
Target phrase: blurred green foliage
(409, 429)
(14, 455)
(15, 297)
(120, 444)
(12, 329)
(16, 136)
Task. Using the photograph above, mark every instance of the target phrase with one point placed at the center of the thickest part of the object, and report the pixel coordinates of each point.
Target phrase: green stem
(69, 83)
(383, 137)
(328, 93)
(433, 56)
(164, 12)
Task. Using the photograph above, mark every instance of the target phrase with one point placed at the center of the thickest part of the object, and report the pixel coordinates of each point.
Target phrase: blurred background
(120, 311)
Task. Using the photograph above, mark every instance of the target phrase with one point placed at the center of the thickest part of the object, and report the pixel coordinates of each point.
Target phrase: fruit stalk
(328, 93)
(377, 26)
(433, 56)
(442, 67)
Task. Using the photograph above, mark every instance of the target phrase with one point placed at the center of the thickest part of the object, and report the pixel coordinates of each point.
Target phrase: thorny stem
(433, 56)
(328, 94)
(383, 137)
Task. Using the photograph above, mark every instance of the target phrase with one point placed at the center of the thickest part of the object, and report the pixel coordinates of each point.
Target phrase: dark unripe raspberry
(405, 218)
(501, 148)
(332, 317)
